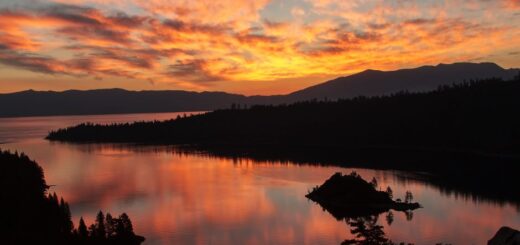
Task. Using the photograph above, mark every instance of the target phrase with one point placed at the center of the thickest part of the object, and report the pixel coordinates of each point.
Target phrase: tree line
(32, 215)
(471, 116)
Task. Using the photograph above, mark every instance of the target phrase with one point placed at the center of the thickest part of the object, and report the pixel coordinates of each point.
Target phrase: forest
(475, 116)
(33, 215)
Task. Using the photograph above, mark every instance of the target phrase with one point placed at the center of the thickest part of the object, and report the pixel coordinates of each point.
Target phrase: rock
(350, 196)
(505, 236)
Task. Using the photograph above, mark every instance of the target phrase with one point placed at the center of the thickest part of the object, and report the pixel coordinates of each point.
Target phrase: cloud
(30, 62)
(188, 43)
(297, 12)
(419, 21)
(44, 64)
(95, 34)
(192, 70)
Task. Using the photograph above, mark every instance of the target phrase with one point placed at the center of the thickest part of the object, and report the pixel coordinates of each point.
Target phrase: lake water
(183, 198)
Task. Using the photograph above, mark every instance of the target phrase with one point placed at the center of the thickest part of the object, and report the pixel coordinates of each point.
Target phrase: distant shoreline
(101, 114)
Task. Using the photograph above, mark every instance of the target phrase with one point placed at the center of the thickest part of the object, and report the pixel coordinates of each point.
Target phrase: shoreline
(2, 117)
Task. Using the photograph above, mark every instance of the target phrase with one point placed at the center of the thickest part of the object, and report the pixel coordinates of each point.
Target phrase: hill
(425, 78)
(116, 101)
(110, 101)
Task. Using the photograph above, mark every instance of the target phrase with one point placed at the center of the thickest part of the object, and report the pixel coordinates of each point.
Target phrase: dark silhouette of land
(32, 215)
(479, 116)
(110, 101)
(421, 79)
(368, 232)
(469, 130)
(350, 196)
(367, 83)
(359, 204)
(505, 236)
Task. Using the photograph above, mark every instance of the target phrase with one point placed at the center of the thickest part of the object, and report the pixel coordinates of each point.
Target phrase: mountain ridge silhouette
(117, 101)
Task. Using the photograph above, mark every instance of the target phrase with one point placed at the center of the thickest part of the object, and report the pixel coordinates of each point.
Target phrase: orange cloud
(212, 44)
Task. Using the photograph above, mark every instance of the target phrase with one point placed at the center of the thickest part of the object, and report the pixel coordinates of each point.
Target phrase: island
(350, 196)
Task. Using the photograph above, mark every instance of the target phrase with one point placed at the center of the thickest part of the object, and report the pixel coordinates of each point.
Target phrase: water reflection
(24, 128)
(177, 196)
(186, 197)
(367, 231)
(487, 187)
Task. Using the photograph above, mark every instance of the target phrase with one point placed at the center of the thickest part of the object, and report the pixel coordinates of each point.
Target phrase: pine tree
(408, 197)
(127, 224)
(374, 182)
(82, 229)
(100, 231)
(390, 192)
(66, 222)
(109, 224)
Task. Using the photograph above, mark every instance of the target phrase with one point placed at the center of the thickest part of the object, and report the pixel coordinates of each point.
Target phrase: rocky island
(351, 196)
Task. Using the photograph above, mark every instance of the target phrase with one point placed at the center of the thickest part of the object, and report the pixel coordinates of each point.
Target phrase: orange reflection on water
(197, 199)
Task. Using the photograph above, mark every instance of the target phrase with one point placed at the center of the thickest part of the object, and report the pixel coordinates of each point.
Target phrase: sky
(241, 46)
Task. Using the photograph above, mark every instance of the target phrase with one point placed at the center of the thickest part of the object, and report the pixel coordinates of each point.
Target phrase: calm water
(197, 199)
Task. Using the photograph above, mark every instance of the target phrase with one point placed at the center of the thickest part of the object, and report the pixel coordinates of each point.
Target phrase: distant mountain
(425, 78)
(110, 101)
(366, 83)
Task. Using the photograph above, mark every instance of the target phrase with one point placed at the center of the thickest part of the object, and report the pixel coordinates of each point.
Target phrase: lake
(175, 197)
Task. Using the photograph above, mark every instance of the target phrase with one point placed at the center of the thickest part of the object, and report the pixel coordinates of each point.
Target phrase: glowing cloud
(228, 44)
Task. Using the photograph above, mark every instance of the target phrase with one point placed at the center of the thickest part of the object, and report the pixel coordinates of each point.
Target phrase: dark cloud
(83, 64)
(47, 65)
(87, 16)
(322, 51)
(137, 58)
(322, 47)
(122, 19)
(12, 13)
(192, 70)
(256, 38)
(419, 21)
(29, 62)
(377, 26)
(182, 26)
(70, 13)
(118, 73)
(367, 36)
(96, 32)
(145, 62)
(65, 12)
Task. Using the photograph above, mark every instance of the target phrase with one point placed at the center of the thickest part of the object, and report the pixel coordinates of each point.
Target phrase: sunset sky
(240, 46)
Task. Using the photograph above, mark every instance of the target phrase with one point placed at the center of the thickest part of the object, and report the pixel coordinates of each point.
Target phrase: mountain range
(366, 83)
